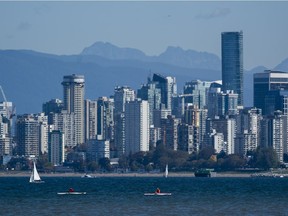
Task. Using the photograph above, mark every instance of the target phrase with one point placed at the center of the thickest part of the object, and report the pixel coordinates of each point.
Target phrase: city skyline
(62, 28)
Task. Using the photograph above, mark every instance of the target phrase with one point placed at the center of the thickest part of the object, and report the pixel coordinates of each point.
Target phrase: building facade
(136, 126)
(265, 82)
(73, 88)
(56, 147)
(232, 63)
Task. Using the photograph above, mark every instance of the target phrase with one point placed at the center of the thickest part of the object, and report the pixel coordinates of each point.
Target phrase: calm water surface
(124, 196)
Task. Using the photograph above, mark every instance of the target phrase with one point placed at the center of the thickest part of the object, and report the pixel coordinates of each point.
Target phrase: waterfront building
(245, 142)
(274, 133)
(248, 125)
(136, 126)
(27, 134)
(97, 149)
(122, 95)
(216, 140)
(268, 81)
(5, 147)
(73, 88)
(6, 127)
(232, 63)
(43, 132)
(56, 147)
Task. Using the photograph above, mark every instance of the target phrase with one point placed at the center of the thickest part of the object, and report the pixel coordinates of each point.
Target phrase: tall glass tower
(232, 63)
(73, 87)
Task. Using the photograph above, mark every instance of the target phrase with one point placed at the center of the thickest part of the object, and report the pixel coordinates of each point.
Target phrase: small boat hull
(157, 194)
(71, 193)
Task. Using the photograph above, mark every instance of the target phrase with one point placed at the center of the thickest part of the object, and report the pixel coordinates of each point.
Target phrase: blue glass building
(232, 63)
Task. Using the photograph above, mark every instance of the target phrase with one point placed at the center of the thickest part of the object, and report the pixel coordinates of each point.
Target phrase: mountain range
(31, 78)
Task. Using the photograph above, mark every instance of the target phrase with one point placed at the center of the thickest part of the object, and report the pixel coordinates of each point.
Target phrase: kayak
(71, 193)
(157, 194)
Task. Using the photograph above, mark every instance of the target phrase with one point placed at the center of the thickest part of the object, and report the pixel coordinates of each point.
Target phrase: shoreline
(99, 175)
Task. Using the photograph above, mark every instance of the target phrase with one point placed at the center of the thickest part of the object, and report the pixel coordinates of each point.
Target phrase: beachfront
(171, 174)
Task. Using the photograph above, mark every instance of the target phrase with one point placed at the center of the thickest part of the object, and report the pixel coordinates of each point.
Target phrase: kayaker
(157, 190)
(71, 190)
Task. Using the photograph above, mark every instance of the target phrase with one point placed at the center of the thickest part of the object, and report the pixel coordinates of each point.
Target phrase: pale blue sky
(68, 27)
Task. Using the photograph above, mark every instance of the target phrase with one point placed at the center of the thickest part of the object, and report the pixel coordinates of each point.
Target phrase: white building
(136, 126)
(73, 86)
(226, 126)
(65, 122)
(44, 128)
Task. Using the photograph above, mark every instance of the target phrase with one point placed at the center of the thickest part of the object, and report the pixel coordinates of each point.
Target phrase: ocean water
(125, 196)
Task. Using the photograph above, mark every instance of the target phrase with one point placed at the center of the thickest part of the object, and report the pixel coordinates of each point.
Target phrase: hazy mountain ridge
(172, 55)
(30, 78)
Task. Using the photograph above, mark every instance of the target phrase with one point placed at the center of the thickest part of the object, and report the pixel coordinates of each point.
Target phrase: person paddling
(71, 190)
(157, 191)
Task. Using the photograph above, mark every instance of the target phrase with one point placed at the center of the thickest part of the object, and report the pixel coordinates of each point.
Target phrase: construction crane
(9, 113)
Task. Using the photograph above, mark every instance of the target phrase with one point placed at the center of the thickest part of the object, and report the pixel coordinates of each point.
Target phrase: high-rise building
(105, 120)
(222, 103)
(226, 126)
(265, 82)
(43, 132)
(152, 94)
(274, 133)
(196, 92)
(136, 126)
(247, 130)
(122, 95)
(186, 140)
(65, 123)
(28, 134)
(6, 127)
(169, 132)
(168, 88)
(232, 63)
(90, 119)
(56, 147)
(73, 86)
(52, 106)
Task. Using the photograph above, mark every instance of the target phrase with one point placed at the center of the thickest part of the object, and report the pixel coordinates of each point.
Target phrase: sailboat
(35, 178)
(166, 171)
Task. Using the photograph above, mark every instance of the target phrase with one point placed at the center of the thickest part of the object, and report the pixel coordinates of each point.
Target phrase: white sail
(166, 171)
(34, 175)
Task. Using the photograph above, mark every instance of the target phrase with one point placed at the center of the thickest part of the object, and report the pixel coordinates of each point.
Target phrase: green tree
(265, 158)
(92, 166)
(105, 164)
(233, 161)
(206, 153)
